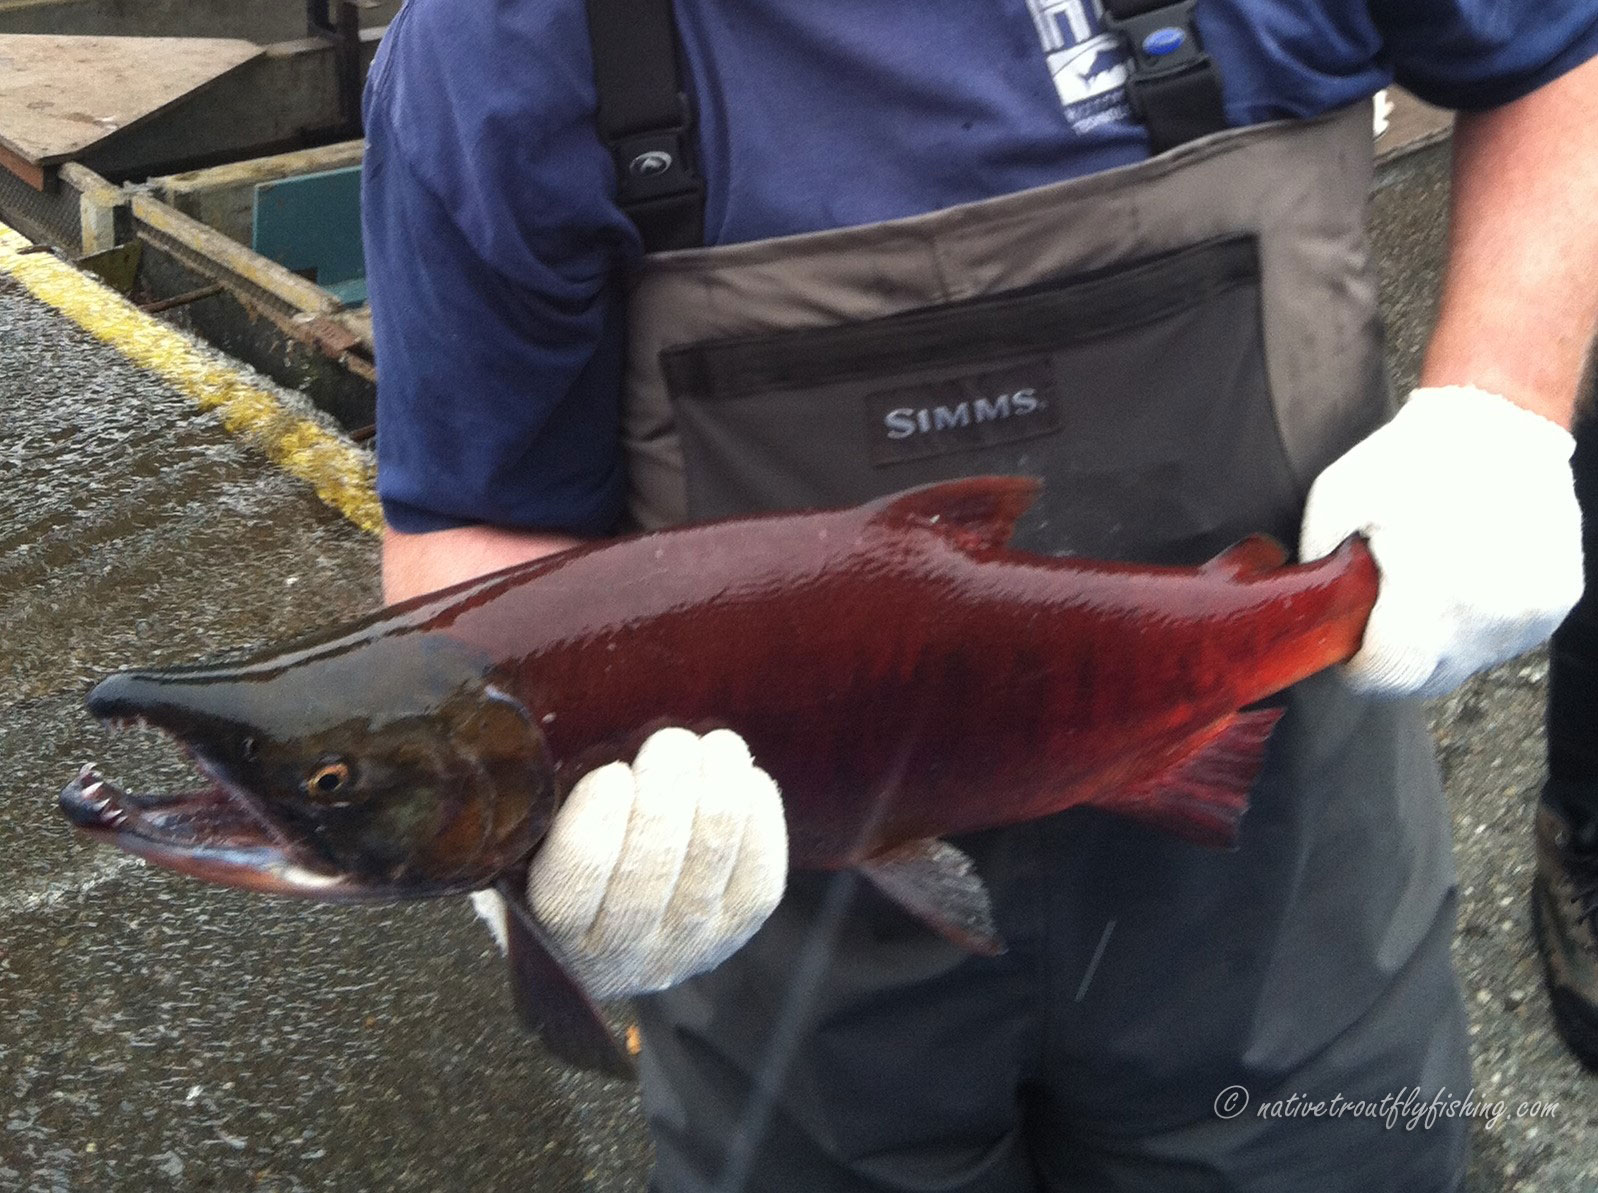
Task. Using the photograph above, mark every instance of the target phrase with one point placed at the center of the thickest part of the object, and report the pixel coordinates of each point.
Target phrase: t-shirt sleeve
(492, 244)
(1472, 54)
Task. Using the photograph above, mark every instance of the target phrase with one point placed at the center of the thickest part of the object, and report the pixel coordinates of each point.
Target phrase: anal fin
(937, 883)
(549, 1000)
(1202, 799)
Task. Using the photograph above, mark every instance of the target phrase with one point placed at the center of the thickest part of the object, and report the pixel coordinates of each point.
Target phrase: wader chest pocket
(1138, 393)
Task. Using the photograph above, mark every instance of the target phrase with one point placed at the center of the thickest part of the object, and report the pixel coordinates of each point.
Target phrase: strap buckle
(656, 163)
(1164, 41)
(1172, 84)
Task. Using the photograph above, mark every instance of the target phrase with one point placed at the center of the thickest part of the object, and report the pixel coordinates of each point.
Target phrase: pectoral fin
(938, 884)
(550, 1002)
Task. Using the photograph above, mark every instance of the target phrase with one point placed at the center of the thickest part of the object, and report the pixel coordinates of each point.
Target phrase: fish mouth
(215, 832)
(102, 809)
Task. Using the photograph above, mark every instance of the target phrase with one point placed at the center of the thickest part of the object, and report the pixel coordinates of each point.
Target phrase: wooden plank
(61, 95)
(99, 206)
(224, 196)
(359, 322)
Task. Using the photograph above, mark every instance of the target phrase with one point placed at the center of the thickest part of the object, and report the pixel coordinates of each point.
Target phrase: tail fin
(1202, 798)
(1361, 579)
(1322, 626)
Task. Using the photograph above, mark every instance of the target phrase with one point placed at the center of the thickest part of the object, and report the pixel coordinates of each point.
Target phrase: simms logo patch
(963, 413)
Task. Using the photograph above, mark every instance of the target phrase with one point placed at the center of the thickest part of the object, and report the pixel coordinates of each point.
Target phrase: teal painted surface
(312, 225)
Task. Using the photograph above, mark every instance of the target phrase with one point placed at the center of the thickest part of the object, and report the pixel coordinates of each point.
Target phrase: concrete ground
(157, 1033)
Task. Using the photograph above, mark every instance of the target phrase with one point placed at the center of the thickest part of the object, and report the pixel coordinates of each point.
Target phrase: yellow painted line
(342, 474)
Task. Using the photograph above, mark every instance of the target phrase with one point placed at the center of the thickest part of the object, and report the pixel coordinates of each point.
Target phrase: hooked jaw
(207, 834)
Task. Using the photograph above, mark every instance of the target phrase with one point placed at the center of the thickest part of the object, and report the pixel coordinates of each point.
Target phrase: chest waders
(1178, 347)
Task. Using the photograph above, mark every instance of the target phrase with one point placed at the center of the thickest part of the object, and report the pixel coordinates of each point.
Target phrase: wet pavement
(156, 1033)
(160, 1034)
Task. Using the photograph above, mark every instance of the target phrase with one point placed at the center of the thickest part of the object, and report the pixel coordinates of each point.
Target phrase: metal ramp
(63, 96)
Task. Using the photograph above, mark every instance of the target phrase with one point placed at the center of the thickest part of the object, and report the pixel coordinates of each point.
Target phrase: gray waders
(1178, 348)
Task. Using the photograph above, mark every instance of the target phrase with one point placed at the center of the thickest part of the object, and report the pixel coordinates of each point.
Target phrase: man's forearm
(1520, 298)
(418, 563)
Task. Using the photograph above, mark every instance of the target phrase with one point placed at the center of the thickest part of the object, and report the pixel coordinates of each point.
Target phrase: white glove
(1470, 508)
(661, 870)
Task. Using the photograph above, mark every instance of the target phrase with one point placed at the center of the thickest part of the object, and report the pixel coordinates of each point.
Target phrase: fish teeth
(99, 795)
(102, 804)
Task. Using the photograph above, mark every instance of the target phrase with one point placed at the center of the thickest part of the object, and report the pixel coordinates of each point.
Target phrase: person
(810, 253)
(1564, 903)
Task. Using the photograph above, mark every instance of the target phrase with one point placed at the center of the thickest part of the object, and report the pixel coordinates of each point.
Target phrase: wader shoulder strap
(1174, 87)
(646, 121)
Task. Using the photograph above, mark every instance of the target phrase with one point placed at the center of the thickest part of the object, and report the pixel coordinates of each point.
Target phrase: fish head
(394, 768)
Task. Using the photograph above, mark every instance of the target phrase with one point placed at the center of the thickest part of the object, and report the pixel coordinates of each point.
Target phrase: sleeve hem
(1495, 94)
(412, 519)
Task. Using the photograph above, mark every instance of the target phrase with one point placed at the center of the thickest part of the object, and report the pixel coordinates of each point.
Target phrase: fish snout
(125, 696)
(192, 711)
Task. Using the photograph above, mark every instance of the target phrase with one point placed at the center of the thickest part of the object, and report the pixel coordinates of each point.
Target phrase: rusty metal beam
(299, 308)
(209, 252)
(29, 172)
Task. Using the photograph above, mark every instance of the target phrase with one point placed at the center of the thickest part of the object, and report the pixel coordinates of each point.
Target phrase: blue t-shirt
(494, 245)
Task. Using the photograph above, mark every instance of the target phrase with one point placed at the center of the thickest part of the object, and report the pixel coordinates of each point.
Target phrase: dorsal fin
(1254, 556)
(980, 508)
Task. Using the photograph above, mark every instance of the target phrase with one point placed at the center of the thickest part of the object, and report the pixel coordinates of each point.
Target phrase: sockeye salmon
(899, 669)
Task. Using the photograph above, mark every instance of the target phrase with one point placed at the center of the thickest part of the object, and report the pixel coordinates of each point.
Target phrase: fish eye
(249, 748)
(328, 779)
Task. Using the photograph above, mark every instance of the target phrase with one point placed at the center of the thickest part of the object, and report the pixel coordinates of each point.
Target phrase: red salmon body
(898, 668)
(903, 674)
